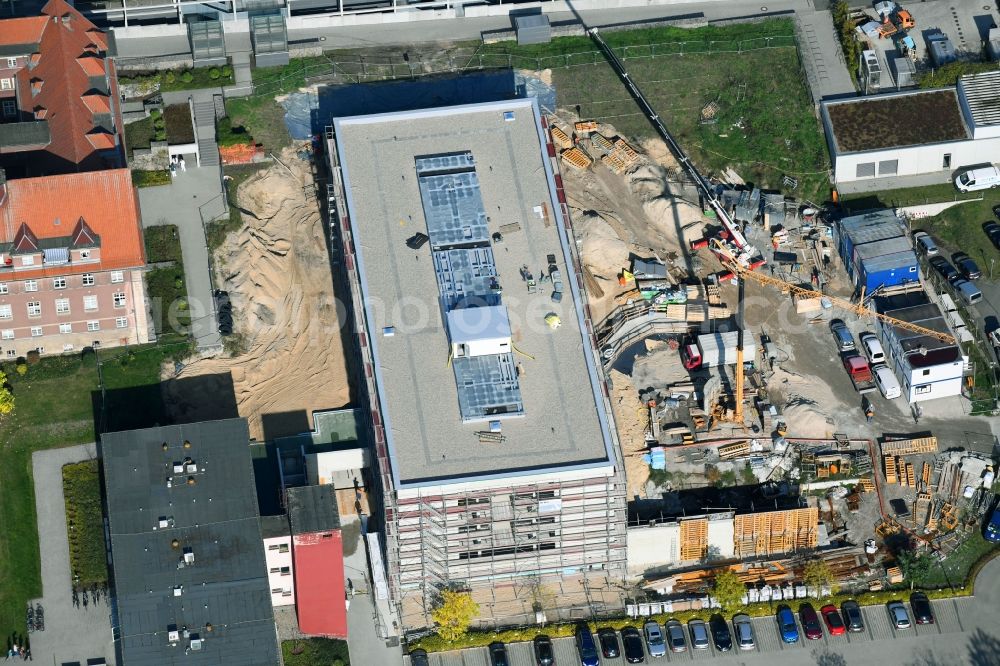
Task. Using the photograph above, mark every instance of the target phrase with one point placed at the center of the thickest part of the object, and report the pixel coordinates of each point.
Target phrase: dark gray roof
(313, 509)
(274, 526)
(208, 510)
(23, 135)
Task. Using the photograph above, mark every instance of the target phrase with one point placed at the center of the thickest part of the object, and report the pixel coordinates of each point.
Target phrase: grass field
(55, 408)
(315, 652)
(162, 243)
(954, 569)
(85, 522)
(139, 134)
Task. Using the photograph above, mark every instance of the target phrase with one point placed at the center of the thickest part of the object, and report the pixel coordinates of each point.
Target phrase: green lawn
(162, 243)
(315, 652)
(85, 522)
(139, 134)
(55, 408)
(262, 117)
(168, 293)
(217, 231)
(955, 568)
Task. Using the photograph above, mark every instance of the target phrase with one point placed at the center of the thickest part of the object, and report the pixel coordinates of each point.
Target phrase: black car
(608, 640)
(498, 654)
(544, 654)
(632, 644)
(921, 606)
(852, 615)
(946, 270)
(966, 266)
(992, 230)
(721, 636)
(419, 658)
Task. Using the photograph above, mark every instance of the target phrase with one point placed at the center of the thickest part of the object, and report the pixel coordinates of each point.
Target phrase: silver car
(654, 639)
(898, 615)
(743, 628)
(699, 634)
(676, 637)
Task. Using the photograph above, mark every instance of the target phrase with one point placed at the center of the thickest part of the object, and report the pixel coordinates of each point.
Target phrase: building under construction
(492, 431)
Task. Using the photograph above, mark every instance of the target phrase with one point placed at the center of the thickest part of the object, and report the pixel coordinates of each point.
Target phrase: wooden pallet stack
(694, 539)
(867, 485)
(602, 142)
(911, 479)
(576, 158)
(734, 450)
(561, 138)
(909, 447)
(889, 468)
(585, 127)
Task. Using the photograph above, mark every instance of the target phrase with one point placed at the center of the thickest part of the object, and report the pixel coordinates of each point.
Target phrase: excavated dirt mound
(277, 272)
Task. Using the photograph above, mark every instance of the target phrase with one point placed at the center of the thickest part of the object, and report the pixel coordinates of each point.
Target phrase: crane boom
(860, 310)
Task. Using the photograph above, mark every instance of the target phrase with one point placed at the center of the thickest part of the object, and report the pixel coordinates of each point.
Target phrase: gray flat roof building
(189, 573)
(476, 180)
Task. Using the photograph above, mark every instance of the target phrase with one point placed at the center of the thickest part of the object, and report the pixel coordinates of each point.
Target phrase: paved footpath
(71, 634)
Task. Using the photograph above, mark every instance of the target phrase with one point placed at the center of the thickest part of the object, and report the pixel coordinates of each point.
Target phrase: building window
(286, 593)
(11, 353)
(282, 547)
(6, 84)
(273, 546)
(946, 161)
(6, 312)
(59, 283)
(28, 260)
(119, 299)
(88, 280)
(121, 322)
(926, 372)
(923, 388)
(117, 276)
(62, 306)
(90, 303)
(85, 254)
(30, 285)
(34, 309)
(11, 63)
(36, 331)
(274, 569)
(286, 571)
(8, 334)
(865, 170)
(276, 590)
(65, 328)
(9, 107)
(3, 287)
(888, 167)
(93, 326)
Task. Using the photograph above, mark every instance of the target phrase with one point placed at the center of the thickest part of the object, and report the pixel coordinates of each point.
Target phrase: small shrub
(22, 367)
(150, 178)
(214, 73)
(34, 357)
(178, 282)
(227, 71)
(170, 77)
(182, 305)
(187, 76)
(155, 113)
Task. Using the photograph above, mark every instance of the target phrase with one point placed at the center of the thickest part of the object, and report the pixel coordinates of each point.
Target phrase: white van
(969, 292)
(873, 349)
(978, 179)
(887, 382)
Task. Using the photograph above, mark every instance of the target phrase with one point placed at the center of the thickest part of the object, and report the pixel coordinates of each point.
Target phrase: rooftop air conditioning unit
(192, 468)
(178, 468)
(195, 643)
(173, 635)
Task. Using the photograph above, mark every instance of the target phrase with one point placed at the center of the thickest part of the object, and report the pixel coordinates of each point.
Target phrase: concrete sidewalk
(71, 634)
(193, 196)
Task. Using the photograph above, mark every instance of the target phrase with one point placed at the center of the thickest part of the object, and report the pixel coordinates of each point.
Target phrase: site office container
(888, 270)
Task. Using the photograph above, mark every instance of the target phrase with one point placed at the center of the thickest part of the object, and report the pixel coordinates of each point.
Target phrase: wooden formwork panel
(889, 467)
(585, 126)
(576, 158)
(925, 475)
(734, 450)
(772, 532)
(911, 477)
(908, 447)
(561, 138)
(694, 539)
(602, 142)
(867, 485)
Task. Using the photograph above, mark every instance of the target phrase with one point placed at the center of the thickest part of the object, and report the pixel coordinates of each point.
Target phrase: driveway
(72, 634)
(193, 196)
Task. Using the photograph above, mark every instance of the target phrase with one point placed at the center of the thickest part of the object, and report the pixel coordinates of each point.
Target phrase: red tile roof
(16, 31)
(320, 601)
(51, 207)
(60, 82)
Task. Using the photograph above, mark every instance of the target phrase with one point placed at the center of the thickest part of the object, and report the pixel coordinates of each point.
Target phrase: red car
(834, 622)
(810, 622)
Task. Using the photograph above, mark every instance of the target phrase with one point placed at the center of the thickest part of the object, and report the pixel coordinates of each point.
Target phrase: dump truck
(715, 349)
(860, 373)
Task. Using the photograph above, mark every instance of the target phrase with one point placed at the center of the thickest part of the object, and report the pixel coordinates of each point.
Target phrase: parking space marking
(876, 617)
(767, 635)
(837, 641)
(946, 615)
(521, 654)
(859, 636)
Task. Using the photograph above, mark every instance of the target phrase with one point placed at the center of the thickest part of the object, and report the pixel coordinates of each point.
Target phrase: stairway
(204, 120)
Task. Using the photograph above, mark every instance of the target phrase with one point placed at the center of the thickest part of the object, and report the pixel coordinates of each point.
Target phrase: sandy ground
(631, 420)
(277, 272)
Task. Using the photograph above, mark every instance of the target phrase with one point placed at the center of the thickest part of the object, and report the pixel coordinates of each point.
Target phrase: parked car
(608, 638)
(654, 639)
(873, 348)
(586, 647)
(925, 243)
(978, 179)
(921, 606)
(721, 636)
(787, 628)
(419, 658)
(498, 654)
(810, 622)
(898, 615)
(834, 623)
(992, 230)
(544, 653)
(743, 628)
(887, 382)
(699, 634)
(675, 636)
(632, 644)
(966, 266)
(852, 615)
(945, 269)
(969, 292)
(845, 341)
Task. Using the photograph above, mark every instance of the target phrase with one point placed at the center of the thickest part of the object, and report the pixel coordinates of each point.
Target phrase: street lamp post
(100, 383)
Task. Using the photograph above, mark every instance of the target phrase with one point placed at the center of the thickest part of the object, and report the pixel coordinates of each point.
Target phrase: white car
(873, 348)
(926, 243)
(887, 382)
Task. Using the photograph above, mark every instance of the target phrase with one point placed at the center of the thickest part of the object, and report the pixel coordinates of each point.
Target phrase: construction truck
(715, 349)
(860, 373)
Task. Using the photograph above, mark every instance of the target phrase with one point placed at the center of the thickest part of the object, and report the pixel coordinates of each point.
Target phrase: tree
(915, 566)
(817, 575)
(6, 397)
(728, 589)
(454, 614)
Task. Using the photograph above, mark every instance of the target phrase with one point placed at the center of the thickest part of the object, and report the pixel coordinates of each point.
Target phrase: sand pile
(277, 272)
(804, 404)
(601, 250)
(659, 367)
(631, 421)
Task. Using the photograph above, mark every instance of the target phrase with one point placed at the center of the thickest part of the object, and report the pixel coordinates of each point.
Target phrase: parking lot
(951, 616)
